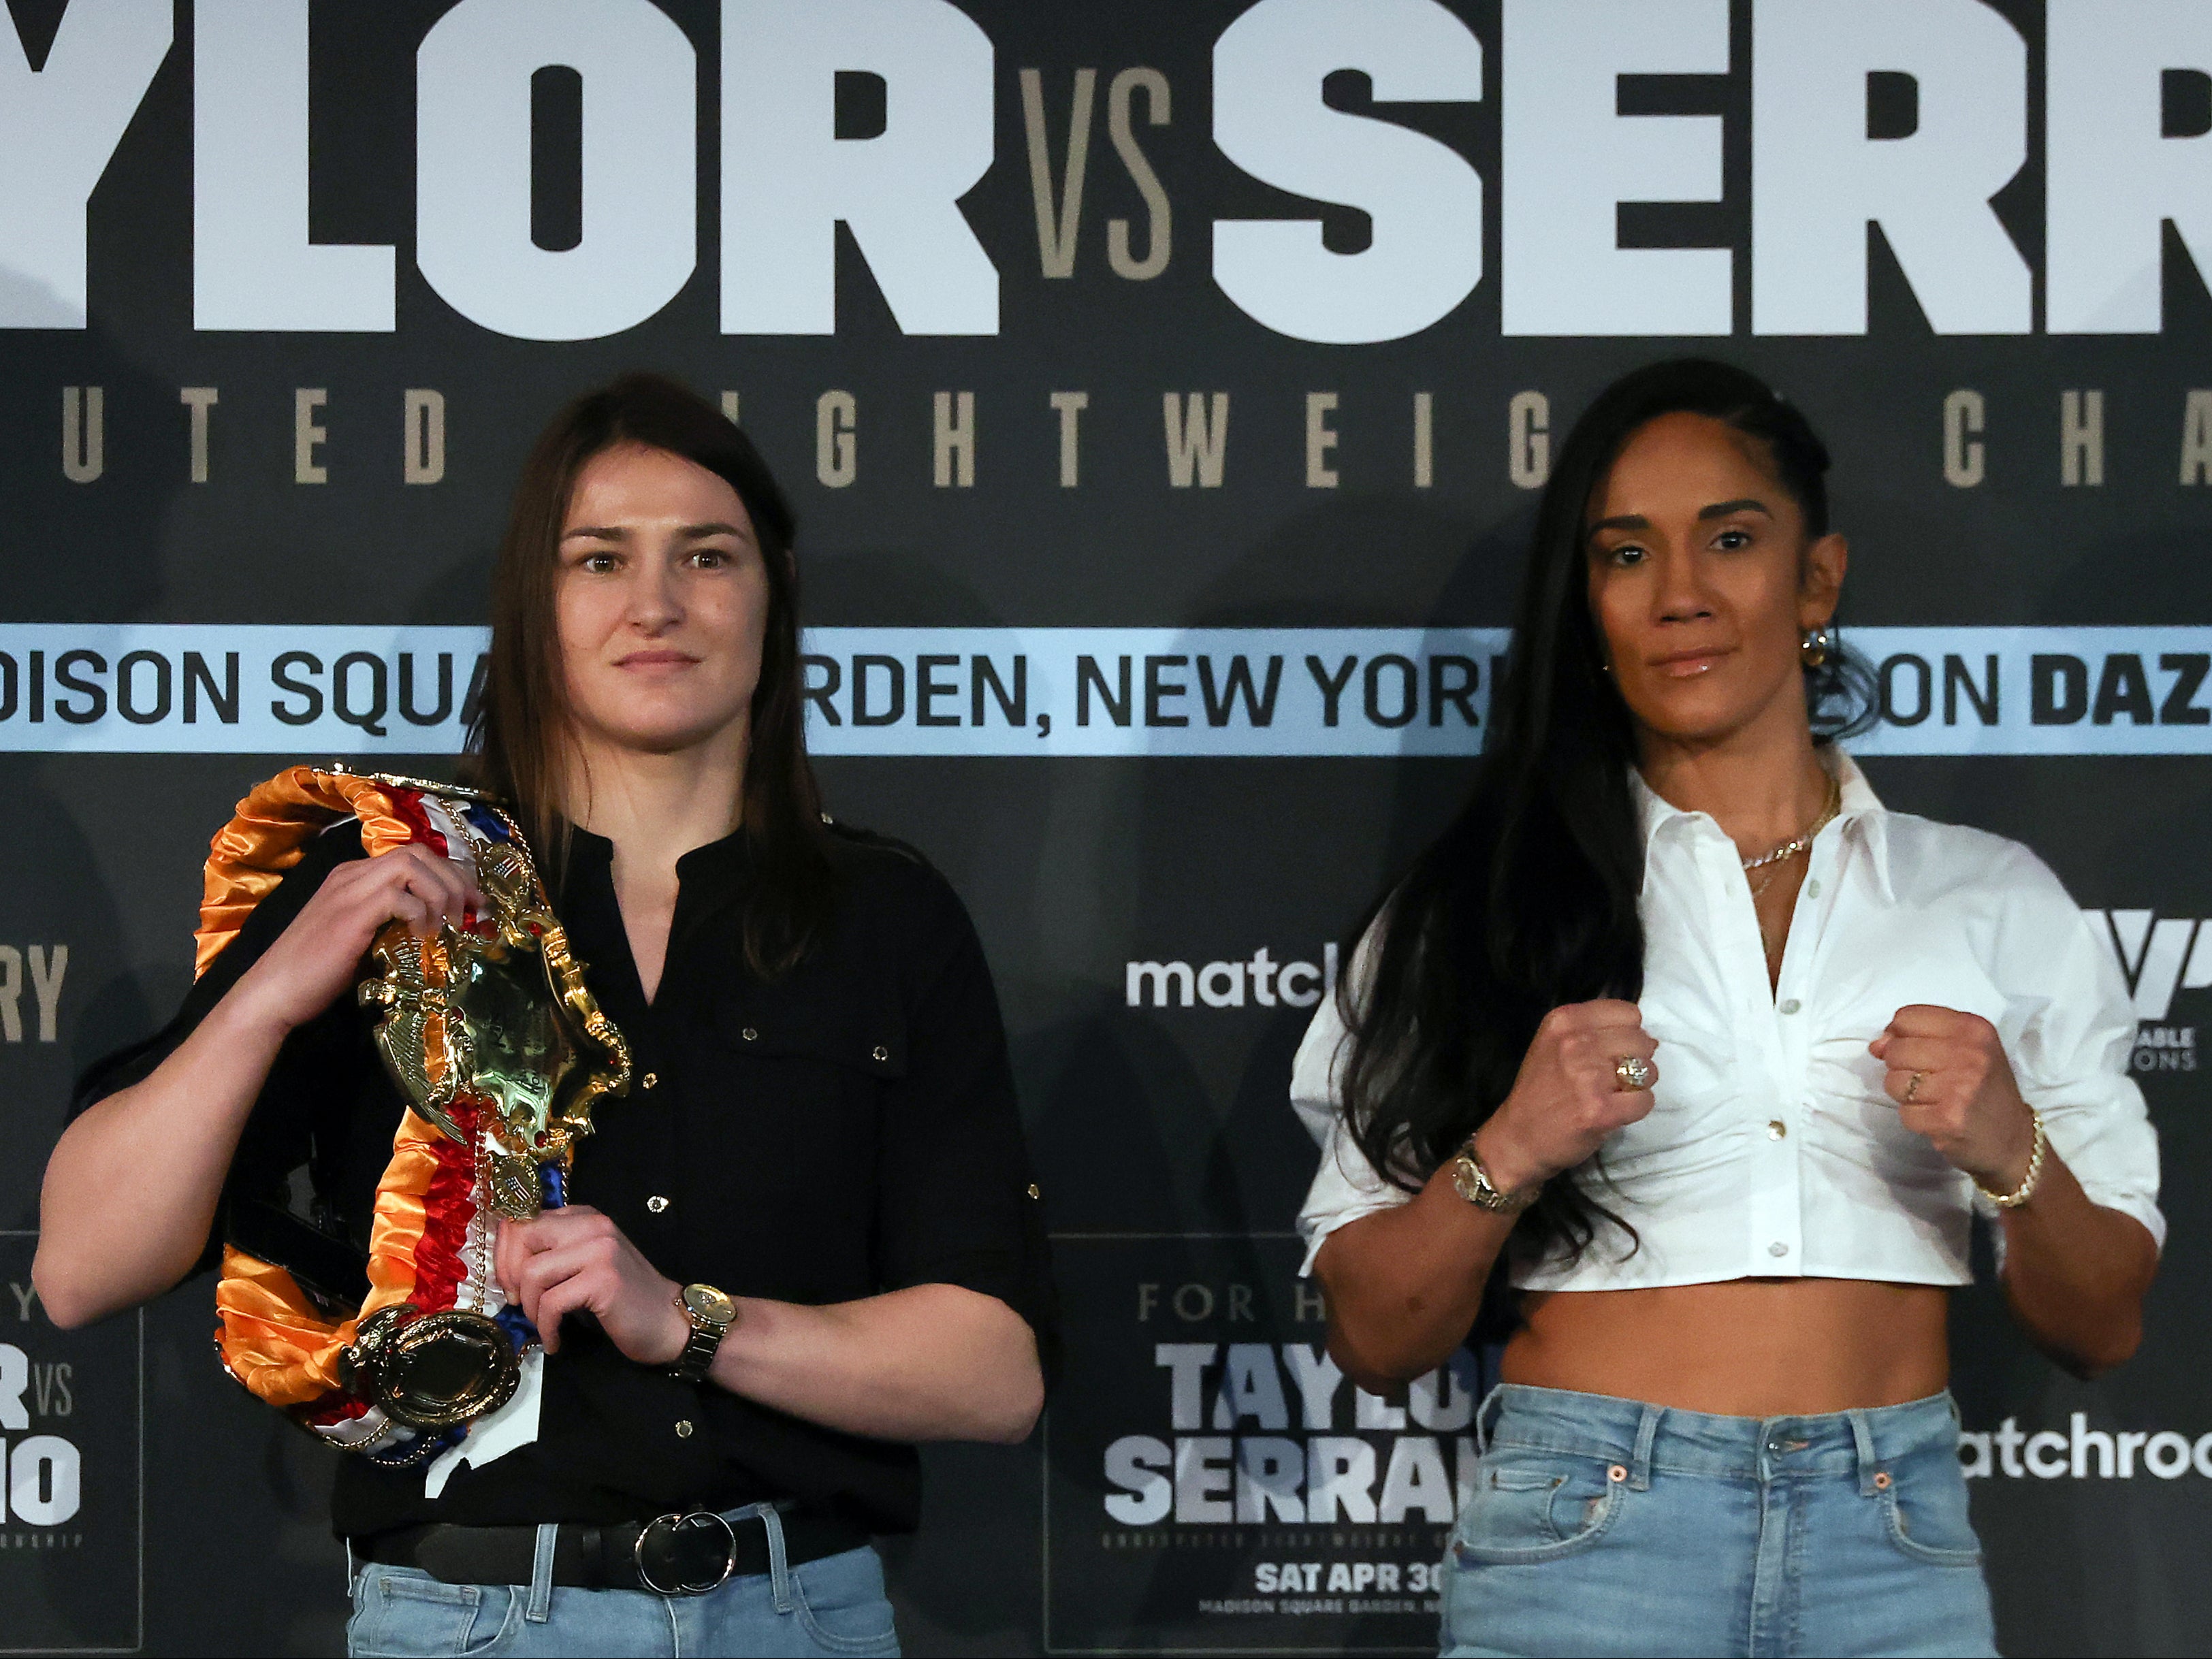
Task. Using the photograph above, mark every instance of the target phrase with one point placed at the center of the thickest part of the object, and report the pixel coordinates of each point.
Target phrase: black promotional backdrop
(151, 1504)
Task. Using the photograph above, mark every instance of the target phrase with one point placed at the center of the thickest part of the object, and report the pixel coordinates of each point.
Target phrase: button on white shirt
(1772, 1148)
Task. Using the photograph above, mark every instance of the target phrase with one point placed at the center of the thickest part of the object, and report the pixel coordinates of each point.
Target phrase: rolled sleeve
(1346, 1186)
(957, 1202)
(2071, 1059)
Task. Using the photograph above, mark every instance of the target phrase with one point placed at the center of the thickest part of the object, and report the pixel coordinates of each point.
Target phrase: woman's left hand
(1952, 1083)
(575, 1260)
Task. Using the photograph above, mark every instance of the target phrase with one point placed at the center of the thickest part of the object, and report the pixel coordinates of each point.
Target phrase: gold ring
(1912, 1087)
(1632, 1072)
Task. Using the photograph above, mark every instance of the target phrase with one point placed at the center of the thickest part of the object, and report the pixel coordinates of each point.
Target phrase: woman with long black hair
(1701, 1063)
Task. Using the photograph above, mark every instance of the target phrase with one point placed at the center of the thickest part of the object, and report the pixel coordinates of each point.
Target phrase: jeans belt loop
(1639, 1462)
(779, 1560)
(1862, 1443)
(539, 1610)
(1485, 1415)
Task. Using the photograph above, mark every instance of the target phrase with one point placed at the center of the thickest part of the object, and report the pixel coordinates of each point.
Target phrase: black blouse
(847, 1129)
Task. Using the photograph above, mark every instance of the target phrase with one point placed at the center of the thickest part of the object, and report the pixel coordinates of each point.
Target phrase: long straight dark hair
(1528, 900)
(519, 743)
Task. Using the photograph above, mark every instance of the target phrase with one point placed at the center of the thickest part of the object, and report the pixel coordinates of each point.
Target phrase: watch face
(1465, 1179)
(709, 1303)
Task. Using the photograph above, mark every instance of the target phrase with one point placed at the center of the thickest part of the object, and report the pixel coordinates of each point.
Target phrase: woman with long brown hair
(805, 1239)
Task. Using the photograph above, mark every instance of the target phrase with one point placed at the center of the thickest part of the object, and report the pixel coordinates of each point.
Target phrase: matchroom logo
(2161, 955)
(2081, 1453)
(1257, 980)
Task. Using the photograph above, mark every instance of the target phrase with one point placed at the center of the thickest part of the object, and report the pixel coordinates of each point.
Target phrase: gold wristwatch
(1471, 1183)
(710, 1312)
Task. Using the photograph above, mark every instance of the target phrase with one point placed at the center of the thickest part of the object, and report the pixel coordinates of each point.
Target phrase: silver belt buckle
(681, 1549)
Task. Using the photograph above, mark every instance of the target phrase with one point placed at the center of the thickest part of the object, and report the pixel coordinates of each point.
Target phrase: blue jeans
(834, 1606)
(1603, 1525)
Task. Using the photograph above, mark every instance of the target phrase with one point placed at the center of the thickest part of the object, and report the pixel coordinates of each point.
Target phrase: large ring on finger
(1912, 1087)
(1632, 1072)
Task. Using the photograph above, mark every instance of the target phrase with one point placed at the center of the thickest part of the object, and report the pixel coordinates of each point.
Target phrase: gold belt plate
(498, 1016)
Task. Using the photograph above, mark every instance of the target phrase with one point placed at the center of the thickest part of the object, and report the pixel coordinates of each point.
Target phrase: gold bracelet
(2025, 1190)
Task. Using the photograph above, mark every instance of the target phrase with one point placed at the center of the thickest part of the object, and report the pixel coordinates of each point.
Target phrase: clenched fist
(1568, 1096)
(1952, 1083)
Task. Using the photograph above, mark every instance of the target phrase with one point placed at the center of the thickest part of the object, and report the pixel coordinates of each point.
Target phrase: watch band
(697, 1358)
(1473, 1183)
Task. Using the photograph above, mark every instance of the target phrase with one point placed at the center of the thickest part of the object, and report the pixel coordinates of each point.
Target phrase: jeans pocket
(1926, 1514)
(1534, 1507)
(400, 1612)
(842, 1604)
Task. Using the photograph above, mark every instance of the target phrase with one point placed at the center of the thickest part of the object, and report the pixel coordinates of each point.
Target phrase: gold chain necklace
(1772, 862)
(1797, 844)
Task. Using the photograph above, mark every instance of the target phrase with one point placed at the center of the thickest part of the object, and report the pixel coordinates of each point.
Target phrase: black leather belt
(674, 1555)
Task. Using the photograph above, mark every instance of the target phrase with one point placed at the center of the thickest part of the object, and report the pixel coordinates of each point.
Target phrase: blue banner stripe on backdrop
(1057, 691)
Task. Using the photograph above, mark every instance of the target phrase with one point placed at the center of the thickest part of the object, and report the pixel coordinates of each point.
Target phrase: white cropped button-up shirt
(1771, 1149)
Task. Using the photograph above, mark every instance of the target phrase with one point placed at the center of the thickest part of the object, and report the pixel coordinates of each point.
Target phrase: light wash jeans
(1601, 1526)
(834, 1606)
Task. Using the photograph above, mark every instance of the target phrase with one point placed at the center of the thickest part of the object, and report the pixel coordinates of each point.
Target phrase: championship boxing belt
(500, 1054)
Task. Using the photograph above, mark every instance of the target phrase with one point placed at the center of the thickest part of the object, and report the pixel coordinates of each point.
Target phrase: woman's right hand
(1568, 1096)
(317, 958)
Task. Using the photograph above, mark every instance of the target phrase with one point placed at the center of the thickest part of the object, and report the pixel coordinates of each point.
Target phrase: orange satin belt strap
(275, 821)
(273, 1339)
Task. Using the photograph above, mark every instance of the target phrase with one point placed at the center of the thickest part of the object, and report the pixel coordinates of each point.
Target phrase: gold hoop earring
(1813, 648)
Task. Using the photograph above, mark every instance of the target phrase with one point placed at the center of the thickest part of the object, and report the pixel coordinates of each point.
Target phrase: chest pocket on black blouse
(780, 1023)
(805, 1074)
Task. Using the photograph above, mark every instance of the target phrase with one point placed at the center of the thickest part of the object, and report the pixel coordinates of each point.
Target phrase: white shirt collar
(1860, 812)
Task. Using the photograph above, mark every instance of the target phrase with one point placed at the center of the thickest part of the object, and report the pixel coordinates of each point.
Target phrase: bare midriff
(1748, 1348)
